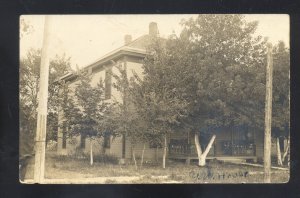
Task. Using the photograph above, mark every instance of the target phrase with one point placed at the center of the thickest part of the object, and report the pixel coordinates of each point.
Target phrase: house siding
(97, 146)
(134, 67)
(115, 147)
(96, 77)
(150, 154)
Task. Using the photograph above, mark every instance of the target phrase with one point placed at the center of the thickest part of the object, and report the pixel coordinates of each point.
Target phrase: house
(231, 143)
(129, 56)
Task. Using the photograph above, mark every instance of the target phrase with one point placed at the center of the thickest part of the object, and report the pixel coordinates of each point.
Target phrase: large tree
(216, 68)
(226, 69)
(126, 120)
(155, 95)
(85, 110)
(28, 88)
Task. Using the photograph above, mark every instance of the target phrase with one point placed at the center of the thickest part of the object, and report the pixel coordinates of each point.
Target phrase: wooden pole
(39, 166)
(268, 116)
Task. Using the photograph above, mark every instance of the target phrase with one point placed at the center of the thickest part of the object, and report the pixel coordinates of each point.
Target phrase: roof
(137, 47)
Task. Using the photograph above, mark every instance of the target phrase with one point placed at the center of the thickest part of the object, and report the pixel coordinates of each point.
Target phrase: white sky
(86, 38)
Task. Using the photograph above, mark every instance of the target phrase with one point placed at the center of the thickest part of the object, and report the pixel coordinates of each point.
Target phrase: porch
(232, 153)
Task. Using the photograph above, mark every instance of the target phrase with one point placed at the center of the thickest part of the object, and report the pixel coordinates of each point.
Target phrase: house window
(82, 141)
(108, 83)
(106, 140)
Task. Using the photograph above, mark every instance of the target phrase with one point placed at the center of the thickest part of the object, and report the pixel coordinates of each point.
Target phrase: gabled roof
(141, 43)
(137, 47)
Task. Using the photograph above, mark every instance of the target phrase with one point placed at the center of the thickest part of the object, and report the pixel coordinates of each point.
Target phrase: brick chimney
(127, 39)
(153, 30)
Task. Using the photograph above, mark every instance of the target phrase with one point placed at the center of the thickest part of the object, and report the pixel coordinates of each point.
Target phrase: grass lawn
(175, 172)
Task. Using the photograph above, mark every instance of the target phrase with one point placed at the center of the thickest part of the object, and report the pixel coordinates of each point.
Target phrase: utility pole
(268, 116)
(40, 140)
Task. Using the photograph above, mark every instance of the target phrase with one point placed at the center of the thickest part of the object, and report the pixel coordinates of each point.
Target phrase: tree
(230, 61)
(216, 67)
(126, 119)
(281, 106)
(28, 86)
(59, 66)
(84, 110)
(155, 98)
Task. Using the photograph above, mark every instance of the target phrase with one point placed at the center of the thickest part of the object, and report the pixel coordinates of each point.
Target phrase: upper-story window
(108, 83)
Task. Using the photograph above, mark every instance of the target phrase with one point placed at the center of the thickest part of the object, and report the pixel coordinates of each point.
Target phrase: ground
(66, 170)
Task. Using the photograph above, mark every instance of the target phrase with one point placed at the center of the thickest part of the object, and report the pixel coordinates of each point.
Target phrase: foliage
(226, 71)
(281, 91)
(28, 88)
(126, 119)
(155, 96)
(59, 66)
(212, 76)
(84, 108)
(28, 92)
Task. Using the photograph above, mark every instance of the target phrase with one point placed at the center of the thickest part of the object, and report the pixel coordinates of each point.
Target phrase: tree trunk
(202, 156)
(279, 161)
(199, 151)
(103, 148)
(286, 150)
(142, 159)
(165, 152)
(91, 152)
(133, 156)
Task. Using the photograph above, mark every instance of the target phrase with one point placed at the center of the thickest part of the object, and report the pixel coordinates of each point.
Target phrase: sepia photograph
(154, 99)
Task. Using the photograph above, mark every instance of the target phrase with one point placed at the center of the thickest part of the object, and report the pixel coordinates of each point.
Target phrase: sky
(86, 38)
